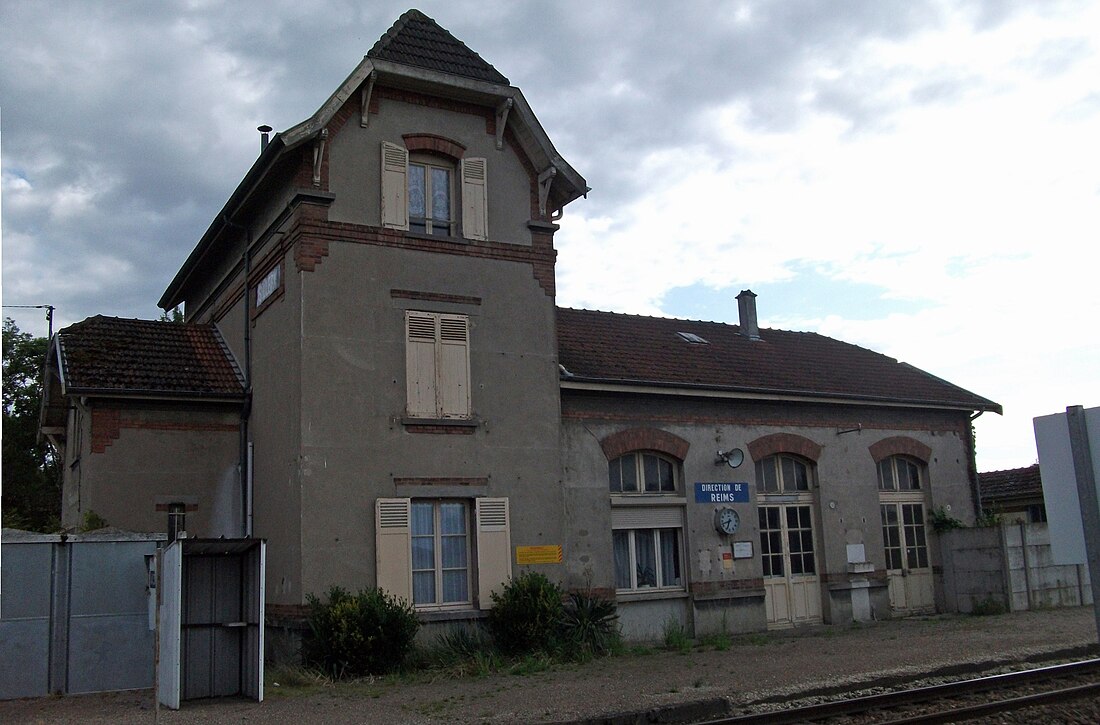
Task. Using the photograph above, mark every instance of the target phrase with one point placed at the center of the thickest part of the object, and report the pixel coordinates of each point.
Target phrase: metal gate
(75, 615)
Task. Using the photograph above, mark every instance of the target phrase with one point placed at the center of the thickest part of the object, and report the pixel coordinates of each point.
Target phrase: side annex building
(373, 376)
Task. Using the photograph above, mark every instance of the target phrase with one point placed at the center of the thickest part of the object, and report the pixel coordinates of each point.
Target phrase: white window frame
(437, 365)
(653, 536)
(431, 225)
(894, 463)
(640, 479)
(783, 486)
(438, 568)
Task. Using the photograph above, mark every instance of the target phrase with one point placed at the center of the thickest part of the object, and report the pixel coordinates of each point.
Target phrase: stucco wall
(124, 475)
(846, 498)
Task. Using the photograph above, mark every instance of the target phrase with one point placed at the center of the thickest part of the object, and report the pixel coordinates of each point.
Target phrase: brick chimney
(746, 309)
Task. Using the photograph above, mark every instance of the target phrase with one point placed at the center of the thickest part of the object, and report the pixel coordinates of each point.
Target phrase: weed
(986, 607)
(675, 636)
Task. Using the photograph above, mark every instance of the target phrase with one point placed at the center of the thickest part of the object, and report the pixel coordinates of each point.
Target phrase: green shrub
(589, 624)
(93, 522)
(526, 616)
(358, 634)
(943, 521)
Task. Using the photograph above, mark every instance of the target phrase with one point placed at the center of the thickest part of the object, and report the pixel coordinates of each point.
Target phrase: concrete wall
(846, 497)
(133, 458)
(1011, 565)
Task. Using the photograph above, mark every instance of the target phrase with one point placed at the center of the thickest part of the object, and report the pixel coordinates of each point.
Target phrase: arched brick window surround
(900, 446)
(644, 439)
(432, 144)
(774, 443)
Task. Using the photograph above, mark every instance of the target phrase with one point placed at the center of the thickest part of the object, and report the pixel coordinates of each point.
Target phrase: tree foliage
(32, 478)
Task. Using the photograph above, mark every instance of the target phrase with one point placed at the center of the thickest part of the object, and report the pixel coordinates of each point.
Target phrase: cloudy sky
(920, 178)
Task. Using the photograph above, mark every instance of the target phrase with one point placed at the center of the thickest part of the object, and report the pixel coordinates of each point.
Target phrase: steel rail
(887, 700)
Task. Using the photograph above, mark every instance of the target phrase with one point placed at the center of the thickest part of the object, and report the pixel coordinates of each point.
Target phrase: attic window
(692, 338)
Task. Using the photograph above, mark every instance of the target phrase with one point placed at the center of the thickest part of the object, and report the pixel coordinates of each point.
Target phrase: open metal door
(169, 657)
(252, 675)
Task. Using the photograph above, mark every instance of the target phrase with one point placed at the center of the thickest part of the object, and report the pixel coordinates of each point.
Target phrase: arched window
(642, 472)
(898, 473)
(782, 473)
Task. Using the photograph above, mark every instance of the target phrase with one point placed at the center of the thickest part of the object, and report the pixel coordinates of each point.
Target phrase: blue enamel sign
(722, 492)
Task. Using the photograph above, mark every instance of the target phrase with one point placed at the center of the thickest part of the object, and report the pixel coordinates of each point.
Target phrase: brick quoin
(105, 428)
(774, 443)
(644, 439)
(900, 446)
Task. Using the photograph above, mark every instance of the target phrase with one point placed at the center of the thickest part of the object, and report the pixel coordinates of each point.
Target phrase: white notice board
(1067, 538)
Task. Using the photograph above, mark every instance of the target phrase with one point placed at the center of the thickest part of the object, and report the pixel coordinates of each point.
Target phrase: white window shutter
(454, 366)
(395, 186)
(475, 199)
(393, 546)
(420, 364)
(494, 548)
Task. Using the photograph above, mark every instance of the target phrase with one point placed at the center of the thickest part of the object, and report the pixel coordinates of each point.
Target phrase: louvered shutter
(420, 364)
(454, 358)
(393, 546)
(475, 199)
(395, 189)
(494, 548)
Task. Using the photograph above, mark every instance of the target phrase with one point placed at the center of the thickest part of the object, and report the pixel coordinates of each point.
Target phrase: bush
(351, 635)
(589, 624)
(526, 616)
(986, 607)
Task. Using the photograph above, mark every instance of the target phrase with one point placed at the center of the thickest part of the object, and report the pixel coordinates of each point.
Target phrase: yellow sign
(538, 554)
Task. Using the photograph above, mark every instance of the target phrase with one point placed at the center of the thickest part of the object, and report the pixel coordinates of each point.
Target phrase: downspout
(246, 409)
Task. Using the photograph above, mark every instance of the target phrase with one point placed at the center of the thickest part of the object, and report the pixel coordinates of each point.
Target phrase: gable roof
(616, 349)
(417, 40)
(115, 356)
(1010, 484)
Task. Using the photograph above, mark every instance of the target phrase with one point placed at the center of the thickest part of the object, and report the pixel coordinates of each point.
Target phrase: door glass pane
(645, 558)
(620, 541)
(670, 558)
(794, 475)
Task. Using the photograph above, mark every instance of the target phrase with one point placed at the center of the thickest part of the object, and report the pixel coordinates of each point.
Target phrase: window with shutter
(419, 193)
(437, 365)
(392, 528)
(475, 199)
(494, 548)
(395, 163)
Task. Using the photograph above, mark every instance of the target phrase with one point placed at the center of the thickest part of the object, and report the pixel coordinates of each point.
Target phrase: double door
(908, 568)
(792, 586)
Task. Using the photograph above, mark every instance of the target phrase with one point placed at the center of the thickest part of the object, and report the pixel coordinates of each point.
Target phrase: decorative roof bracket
(545, 179)
(364, 99)
(319, 155)
(502, 120)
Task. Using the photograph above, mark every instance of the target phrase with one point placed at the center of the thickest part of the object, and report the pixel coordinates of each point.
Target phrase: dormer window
(431, 189)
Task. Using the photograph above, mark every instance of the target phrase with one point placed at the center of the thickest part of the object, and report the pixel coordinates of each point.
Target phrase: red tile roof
(1011, 483)
(114, 355)
(629, 349)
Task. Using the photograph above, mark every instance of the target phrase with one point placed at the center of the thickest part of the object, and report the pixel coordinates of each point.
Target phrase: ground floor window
(440, 553)
(647, 559)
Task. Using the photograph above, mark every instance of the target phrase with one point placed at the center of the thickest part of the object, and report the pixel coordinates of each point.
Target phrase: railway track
(957, 701)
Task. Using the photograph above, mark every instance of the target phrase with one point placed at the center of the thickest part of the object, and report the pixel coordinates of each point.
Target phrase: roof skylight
(693, 338)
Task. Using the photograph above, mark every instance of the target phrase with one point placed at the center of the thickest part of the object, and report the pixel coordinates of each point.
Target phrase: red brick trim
(286, 614)
(440, 481)
(440, 429)
(731, 585)
(900, 446)
(107, 425)
(774, 443)
(644, 439)
(309, 247)
(408, 294)
(105, 428)
(431, 143)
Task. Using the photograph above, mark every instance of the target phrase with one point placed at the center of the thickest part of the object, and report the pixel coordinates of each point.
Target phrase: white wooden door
(908, 569)
(792, 587)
